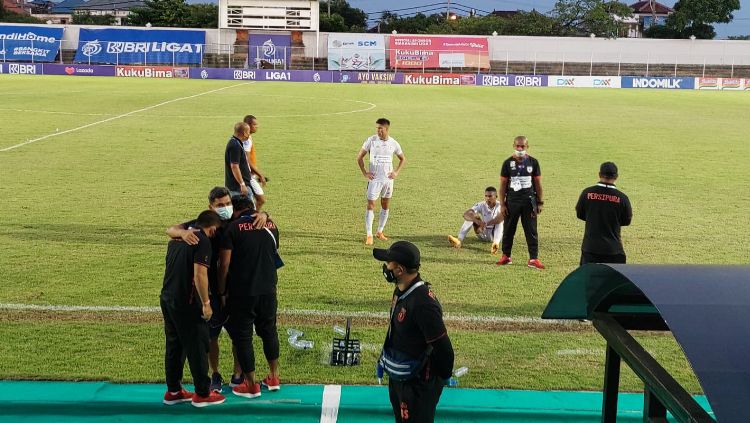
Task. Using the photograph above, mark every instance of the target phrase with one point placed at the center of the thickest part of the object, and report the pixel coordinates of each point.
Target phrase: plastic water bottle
(461, 371)
(300, 344)
(339, 330)
(379, 372)
(295, 333)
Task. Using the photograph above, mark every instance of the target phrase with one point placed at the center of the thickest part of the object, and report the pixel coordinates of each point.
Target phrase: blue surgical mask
(225, 213)
(520, 153)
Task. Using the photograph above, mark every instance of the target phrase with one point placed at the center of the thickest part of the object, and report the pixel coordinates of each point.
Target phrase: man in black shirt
(416, 334)
(186, 307)
(220, 201)
(521, 194)
(247, 279)
(237, 173)
(605, 209)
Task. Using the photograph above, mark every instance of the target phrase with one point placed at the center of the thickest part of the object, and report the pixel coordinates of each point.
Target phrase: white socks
(465, 229)
(383, 218)
(369, 217)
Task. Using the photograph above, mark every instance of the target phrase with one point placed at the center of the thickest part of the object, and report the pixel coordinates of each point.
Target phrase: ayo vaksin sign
(126, 46)
(663, 83)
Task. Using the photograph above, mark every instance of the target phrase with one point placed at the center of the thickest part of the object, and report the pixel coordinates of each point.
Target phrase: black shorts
(415, 401)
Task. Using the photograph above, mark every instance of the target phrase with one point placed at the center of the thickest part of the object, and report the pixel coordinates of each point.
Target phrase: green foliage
(695, 18)
(333, 23)
(84, 18)
(738, 37)
(352, 18)
(161, 13)
(583, 17)
(13, 17)
(417, 24)
(203, 15)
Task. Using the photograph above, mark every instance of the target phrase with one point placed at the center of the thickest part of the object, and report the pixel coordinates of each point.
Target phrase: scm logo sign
(366, 43)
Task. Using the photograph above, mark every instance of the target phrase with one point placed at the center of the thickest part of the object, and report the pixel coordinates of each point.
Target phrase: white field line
(369, 107)
(449, 317)
(55, 134)
(329, 410)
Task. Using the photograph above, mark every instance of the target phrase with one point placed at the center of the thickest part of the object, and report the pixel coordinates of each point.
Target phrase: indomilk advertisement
(356, 52)
(149, 46)
(418, 52)
(29, 43)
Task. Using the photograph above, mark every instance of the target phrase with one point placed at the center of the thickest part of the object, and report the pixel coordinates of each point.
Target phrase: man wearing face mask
(186, 308)
(417, 339)
(220, 201)
(521, 194)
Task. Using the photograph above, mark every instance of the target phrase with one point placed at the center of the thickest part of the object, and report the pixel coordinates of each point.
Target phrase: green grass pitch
(84, 212)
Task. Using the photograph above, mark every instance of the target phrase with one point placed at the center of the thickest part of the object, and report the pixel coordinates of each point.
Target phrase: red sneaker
(535, 264)
(213, 398)
(176, 398)
(247, 390)
(272, 383)
(504, 260)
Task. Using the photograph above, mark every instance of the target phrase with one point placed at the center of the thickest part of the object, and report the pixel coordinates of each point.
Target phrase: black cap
(608, 169)
(402, 252)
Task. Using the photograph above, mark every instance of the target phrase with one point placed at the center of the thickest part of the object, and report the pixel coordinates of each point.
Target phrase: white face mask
(225, 213)
(520, 153)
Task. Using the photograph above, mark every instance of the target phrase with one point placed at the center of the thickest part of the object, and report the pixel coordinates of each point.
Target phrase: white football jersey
(381, 156)
(248, 145)
(487, 213)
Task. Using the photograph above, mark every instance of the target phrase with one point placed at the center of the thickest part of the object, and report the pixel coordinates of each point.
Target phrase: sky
(739, 26)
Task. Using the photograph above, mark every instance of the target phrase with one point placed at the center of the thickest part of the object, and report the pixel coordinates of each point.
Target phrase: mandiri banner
(416, 52)
(356, 52)
(273, 51)
(29, 43)
(142, 46)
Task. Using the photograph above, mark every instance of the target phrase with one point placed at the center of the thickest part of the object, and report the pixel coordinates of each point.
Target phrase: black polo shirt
(235, 154)
(216, 241)
(605, 209)
(416, 320)
(179, 290)
(252, 269)
(520, 176)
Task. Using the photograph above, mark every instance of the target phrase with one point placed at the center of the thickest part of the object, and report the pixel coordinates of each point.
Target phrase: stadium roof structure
(110, 5)
(705, 307)
(66, 7)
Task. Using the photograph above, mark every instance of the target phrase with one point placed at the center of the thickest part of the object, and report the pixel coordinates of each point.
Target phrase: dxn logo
(563, 82)
(603, 82)
(19, 69)
(244, 74)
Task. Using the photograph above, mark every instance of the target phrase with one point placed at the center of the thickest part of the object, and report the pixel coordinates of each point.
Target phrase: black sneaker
(236, 380)
(216, 382)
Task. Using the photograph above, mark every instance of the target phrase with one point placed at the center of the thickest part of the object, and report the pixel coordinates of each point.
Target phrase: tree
(86, 18)
(583, 17)
(333, 23)
(531, 24)
(738, 37)
(165, 13)
(13, 17)
(355, 20)
(203, 15)
(695, 18)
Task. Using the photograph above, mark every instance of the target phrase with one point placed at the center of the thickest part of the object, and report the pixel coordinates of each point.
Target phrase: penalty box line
(144, 109)
(449, 317)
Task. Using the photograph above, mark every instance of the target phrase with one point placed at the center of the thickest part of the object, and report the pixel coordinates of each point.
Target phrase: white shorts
(255, 186)
(382, 189)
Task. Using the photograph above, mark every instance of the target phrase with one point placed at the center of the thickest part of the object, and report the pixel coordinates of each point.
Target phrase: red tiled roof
(645, 7)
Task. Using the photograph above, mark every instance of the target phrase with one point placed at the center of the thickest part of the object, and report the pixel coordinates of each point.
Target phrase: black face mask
(388, 274)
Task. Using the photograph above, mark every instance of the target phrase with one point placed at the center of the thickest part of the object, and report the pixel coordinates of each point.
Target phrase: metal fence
(240, 56)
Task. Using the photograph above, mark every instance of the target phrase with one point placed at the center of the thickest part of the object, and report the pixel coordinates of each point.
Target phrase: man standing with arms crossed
(604, 209)
(380, 175)
(521, 194)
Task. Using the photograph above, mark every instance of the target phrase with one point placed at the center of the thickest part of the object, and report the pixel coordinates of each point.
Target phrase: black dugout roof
(707, 308)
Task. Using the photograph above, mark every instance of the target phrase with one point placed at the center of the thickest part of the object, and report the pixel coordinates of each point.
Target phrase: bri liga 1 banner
(29, 43)
(418, 52)
(269, 51)
(142, 46)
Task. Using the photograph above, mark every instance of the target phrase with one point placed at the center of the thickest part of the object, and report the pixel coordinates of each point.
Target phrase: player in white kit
(486, 219)
(380, 176)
